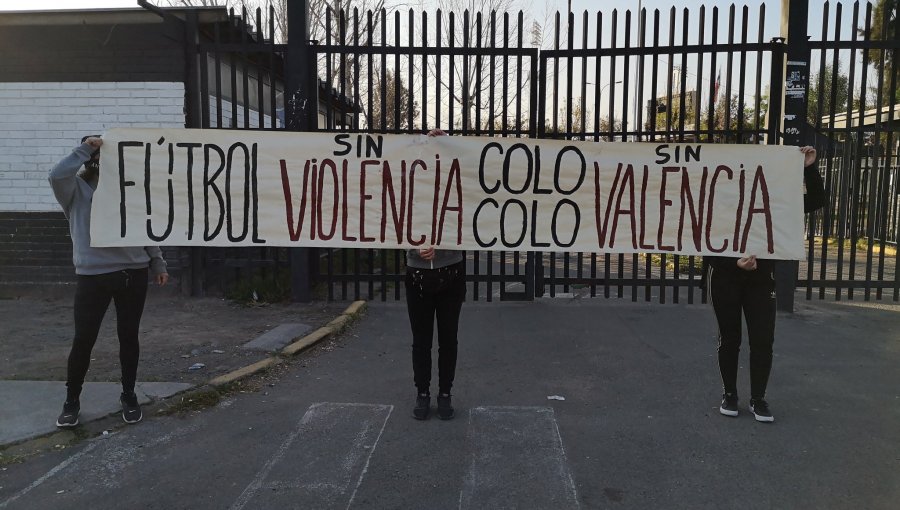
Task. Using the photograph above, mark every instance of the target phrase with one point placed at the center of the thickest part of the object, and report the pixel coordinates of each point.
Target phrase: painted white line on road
(518, 461)
(59, 467)
(326, 466)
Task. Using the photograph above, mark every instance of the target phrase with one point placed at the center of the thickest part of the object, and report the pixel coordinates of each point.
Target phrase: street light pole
(600, 100)
(637, 71)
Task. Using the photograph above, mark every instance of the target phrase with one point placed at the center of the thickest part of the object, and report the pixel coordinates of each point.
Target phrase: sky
(772, 24)
(544, 9)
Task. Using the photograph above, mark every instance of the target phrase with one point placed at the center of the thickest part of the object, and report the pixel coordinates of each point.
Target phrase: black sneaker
(444, 407)
(760, 410)
(729, 405)
(69, 416)
(131, 410)
(423, 406)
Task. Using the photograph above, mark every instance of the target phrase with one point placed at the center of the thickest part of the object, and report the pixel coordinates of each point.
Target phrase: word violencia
(512, 199)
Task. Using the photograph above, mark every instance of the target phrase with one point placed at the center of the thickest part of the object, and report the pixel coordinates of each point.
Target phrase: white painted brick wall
(41, 122)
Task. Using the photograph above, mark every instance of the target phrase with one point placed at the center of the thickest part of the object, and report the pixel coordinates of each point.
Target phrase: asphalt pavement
(561, 403)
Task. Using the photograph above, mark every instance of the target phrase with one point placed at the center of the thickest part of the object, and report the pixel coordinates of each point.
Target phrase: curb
(211, 390)
(300, 344)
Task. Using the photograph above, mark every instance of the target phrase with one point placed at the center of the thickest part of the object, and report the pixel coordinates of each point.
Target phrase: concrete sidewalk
(31, 406)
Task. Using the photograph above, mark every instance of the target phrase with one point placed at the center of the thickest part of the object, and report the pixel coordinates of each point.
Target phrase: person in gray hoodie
(117, 274)
(435, 289)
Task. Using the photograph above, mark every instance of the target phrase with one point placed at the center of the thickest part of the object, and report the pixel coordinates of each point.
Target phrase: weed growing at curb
(196, 400)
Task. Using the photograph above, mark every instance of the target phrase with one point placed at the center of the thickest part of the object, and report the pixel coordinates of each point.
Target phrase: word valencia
(626, 205)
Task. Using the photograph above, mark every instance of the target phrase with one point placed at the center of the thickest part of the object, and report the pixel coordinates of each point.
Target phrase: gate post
(300, 108)
(793, 89)
(193, 119)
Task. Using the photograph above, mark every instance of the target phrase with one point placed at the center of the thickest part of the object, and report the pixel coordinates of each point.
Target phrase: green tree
(884, 28)
(822, 87)
(728, 116)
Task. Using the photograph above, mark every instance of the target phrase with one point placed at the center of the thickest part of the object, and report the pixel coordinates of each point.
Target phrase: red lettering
(629, 181)
(709, 208)
(739, 211)
(759, 182)
(602, 225)
(687, 203)
(663, 203)
(344, 214)
(642, 244)
(288, 201)
(362, 201)
(409, 205)
(453, 180)
(387, 188)
(334, 216)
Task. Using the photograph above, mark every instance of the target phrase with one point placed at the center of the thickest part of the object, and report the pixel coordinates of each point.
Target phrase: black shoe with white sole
(760, 410)
(729, 405)
(444, 407)
(131, 410)
(423, 406)
(69, 416)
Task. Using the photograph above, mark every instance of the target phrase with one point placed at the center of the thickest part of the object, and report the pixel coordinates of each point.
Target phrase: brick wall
(35, 248)
(41, 122)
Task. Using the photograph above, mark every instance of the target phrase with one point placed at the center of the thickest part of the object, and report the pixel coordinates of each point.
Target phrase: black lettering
(557, 170)
(190, 184)
(171, 218)
(503, 223)
(341, 140)
(492, 145)
(559, 205)
(123, 183)
(475, 223)
(210, 182)
(663, 155)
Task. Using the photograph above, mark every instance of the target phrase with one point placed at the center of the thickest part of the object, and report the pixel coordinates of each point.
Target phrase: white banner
(192, 187)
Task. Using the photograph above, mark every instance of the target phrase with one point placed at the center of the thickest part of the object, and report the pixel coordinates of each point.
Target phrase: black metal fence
(680, 76)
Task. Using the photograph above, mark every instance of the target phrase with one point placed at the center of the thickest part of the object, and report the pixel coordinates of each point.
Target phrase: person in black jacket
(435, 291)
(746, 285)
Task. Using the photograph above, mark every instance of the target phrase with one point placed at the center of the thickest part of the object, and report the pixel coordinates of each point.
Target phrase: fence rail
(680, 75)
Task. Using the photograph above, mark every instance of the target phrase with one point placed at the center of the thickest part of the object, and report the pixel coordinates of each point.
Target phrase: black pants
(128, 289)
(753, 295)
(435, 293)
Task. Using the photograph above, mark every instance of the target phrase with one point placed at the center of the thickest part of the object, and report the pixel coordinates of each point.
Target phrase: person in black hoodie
(746, 285)
(435, 289)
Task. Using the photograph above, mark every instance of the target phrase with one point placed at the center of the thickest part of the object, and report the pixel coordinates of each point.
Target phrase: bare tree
(486, 24)
(397, 98)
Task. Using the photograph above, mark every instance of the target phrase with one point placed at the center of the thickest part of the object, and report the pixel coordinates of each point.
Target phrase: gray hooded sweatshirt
(75, 195)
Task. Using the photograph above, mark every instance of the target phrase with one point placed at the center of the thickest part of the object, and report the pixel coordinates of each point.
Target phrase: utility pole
(300, 108)
(794, 22)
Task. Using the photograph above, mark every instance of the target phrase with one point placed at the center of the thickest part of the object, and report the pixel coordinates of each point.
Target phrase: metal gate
(684, 75)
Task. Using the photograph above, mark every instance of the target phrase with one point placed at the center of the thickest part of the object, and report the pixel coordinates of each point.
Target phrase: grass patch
(684, 262)
(862, 245)
(269, 287)
(345, 260)
(193, 401)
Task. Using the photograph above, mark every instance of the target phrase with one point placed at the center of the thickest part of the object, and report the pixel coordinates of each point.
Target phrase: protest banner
(191, 187)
